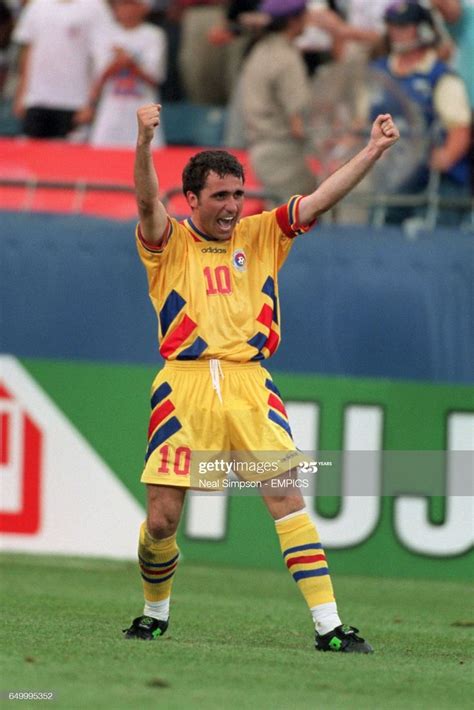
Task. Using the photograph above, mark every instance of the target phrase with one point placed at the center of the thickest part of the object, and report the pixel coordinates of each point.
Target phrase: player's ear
(192, 198)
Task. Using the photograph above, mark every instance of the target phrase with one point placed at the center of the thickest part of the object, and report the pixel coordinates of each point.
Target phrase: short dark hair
(200, 165)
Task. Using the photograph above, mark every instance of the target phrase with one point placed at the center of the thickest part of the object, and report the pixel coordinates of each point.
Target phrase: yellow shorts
(214, 411)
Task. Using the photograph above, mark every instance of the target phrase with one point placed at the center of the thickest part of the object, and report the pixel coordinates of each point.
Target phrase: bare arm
(455, 147)
(450, 9)
(384, 134)
(153, 216)
(330, 21)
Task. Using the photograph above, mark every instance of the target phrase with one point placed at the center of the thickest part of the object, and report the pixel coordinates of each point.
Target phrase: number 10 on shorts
(181, 462)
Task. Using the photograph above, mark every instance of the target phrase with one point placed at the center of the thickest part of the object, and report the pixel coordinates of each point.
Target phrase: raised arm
(152, 213)
(331, 22)
(384, 134)
(451, 10)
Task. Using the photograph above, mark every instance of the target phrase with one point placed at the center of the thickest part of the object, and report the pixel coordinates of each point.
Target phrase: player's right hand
(148, 118)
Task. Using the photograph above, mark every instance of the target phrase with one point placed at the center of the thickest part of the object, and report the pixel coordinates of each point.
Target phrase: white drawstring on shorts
(216, 374)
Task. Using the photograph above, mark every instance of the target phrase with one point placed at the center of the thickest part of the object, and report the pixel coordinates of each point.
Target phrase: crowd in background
(79, 69)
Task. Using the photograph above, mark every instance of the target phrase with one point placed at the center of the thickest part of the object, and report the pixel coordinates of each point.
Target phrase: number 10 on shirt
(217, 280)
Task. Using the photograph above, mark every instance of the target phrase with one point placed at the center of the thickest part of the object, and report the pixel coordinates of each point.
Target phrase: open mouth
(225, 223)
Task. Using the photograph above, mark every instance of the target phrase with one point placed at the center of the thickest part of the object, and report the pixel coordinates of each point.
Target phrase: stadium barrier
(389, 321)
(80, 179)
(184, 123)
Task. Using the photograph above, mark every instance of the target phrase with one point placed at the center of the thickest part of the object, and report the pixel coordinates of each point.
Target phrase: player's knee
(161, 524)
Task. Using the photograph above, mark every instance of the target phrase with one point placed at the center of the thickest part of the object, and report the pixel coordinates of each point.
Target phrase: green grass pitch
(238, 638)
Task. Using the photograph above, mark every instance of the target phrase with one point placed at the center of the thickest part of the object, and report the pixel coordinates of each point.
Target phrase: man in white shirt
(57, 37)
(131, 64)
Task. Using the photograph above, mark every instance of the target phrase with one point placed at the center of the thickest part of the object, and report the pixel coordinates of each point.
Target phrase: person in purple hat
(276, 99)
(283, 8)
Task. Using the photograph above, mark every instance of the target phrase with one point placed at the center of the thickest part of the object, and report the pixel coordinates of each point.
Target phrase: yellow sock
(158, 560)
(305, 558)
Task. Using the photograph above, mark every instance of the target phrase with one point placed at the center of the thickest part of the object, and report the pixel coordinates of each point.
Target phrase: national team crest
(239, 260)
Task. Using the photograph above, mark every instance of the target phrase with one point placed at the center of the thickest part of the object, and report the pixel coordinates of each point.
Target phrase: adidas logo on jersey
(213, 250)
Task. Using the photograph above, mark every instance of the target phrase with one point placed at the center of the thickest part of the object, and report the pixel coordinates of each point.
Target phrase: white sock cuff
(325, 617)
(291, 515)
(157, 610)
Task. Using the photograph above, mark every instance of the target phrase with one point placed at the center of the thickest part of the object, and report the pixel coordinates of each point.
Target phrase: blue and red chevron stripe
(276, 403)
(268, 289)
(159, 414)
(277, 412)
(160, 430)
(306, 562)
(171, 309)
(172, 306)
(178, 336)
(267, 316)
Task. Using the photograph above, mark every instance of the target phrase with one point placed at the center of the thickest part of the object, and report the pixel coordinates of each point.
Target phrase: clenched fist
(384, 132)
(148, 118)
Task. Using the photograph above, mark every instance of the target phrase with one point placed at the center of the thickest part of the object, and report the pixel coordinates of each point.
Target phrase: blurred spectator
(166, 15)
(131, 64)
(365, 15)
(240, 16)
(459, 17)
(6, 27)
(236, 32)
(54, 76)
(330, 34)
(317, 41)
(275, 98)
(440, 94)
(201, 64)
(324, 24)
(158, 11)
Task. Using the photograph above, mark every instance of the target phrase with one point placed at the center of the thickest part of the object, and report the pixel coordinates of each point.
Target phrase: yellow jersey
(219, 299)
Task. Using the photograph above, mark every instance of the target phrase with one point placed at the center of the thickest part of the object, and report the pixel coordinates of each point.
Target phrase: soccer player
(213, 281)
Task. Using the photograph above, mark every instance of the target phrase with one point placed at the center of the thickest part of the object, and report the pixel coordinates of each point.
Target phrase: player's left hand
(384, 132)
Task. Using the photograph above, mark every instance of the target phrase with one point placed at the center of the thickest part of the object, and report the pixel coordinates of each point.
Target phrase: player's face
(218, 208)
